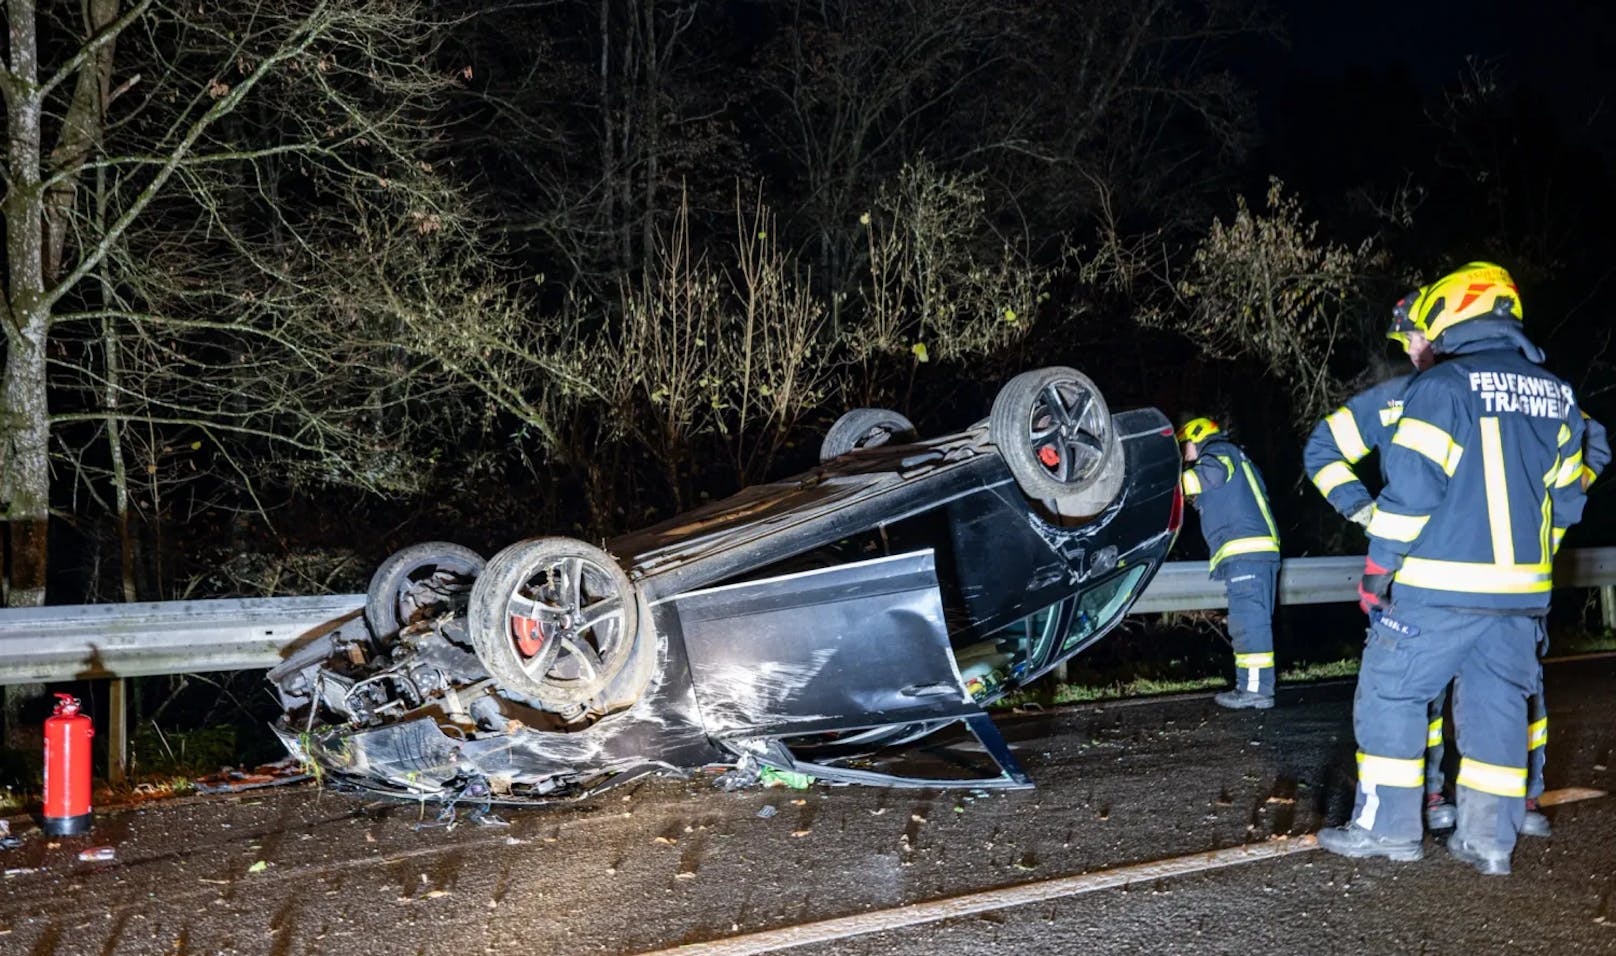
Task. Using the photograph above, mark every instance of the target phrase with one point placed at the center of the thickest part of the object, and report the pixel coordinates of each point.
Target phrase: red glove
(1374, 587)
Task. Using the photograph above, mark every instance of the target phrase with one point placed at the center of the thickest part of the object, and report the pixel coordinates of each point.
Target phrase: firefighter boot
(1478, 817)
(1439, 813)
(1535, 824)
(1242, 699)
(1356, 842)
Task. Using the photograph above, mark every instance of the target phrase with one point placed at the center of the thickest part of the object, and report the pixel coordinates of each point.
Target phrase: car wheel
(554, 619)
(1054, 431)
(864, 428)
(422, 580)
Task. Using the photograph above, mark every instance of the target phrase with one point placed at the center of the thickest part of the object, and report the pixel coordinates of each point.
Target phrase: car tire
(554, 584)
(865, 428)
(1072, 456)
(419, 580)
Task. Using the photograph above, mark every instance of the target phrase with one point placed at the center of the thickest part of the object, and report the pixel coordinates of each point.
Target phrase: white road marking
(953, 907)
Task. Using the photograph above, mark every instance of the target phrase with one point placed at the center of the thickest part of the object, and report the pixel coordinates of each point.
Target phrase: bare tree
(1264, 286)
(594, 120)
(941, 284)
(256, 171)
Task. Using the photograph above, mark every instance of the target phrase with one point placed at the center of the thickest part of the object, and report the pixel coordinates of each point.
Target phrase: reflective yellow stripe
(1474, 577)
(1244, 546)
(1390, 771)
(1333, 476)
(1570, 470)
(1565, 434)
(1433, 733)
(1537, 734)
(1228, 466)
(1492, 462)
(1344, 428)
(1244, 661)
(1262, 502)
(1491, 778)
(1390, 414)
(1554, 547)
(1395, 527)
(1587, 476)
(1545, 544)
(1430, 441)
(1191, 483)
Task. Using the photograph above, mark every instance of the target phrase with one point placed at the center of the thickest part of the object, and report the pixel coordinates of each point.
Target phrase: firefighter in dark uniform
(1364, 424)
(1483, 476)
(1228, 493)
(1595, 456)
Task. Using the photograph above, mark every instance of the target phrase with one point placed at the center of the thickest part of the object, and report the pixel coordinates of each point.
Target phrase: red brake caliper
(529, 637)
(1049, 456)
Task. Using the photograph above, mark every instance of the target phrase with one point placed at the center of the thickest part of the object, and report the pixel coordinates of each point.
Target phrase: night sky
(1552, 47)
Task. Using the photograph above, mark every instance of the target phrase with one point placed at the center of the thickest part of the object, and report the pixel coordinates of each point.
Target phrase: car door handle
(930, 690)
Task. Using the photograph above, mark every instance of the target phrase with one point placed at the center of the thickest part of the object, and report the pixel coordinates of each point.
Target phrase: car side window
(1097, 606)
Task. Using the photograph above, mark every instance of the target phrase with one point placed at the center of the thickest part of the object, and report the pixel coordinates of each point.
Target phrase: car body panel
(856, 644)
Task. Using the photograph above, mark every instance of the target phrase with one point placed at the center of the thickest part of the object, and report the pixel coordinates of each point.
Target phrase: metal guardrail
(163, 637)
(174, 637)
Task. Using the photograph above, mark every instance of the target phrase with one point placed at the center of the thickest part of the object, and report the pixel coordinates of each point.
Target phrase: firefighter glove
(1375, 586)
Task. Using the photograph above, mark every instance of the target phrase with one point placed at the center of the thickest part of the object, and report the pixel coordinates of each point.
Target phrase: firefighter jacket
(1595, 450)
(1364, 424)
(1228, 492)
(1483, 476)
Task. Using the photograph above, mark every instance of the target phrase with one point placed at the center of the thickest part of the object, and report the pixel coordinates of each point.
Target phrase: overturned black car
(805, 625)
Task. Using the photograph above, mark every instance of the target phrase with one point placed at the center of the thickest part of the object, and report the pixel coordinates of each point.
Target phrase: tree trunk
(24, 425)
(81, 132)
(25, 428)
(112, 346)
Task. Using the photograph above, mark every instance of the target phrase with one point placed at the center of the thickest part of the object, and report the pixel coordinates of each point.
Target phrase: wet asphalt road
(670, 862)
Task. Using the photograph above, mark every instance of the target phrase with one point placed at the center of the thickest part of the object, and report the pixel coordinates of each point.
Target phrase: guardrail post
(1607, 606)
(117, 733)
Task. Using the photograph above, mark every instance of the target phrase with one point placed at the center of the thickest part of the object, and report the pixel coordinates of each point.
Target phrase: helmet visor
(1404, 319)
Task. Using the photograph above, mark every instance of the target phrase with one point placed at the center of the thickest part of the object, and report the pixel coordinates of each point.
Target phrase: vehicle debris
(98, 854)
(235, 780)
(771, 777)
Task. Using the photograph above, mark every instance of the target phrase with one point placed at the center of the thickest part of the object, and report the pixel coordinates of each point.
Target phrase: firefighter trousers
(1537, 740)
(1251, 585)
(1537, 733)
(1412, 653)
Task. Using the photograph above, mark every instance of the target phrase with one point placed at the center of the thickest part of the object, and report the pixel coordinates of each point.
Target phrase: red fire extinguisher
(67, 769)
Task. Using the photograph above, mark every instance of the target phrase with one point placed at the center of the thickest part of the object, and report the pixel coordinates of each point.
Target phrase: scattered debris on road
(235, 780)
(1569, 795)
(771, 777)
(98, 854)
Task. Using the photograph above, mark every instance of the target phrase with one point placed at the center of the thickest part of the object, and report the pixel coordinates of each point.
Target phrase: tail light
(1175, 517)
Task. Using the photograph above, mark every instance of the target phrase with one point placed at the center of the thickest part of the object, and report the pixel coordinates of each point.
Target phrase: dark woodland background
(482, 271)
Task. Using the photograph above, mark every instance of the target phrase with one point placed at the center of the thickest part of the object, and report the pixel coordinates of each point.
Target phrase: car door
(856, 645)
